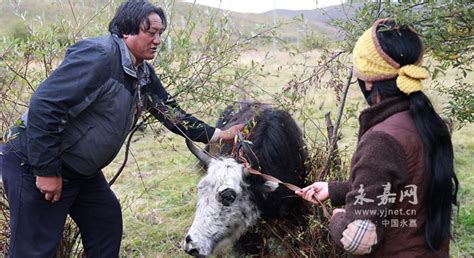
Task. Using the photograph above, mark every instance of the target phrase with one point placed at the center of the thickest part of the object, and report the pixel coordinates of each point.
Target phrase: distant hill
(316, 19)
(44, 10)
(248, 21)
(321, 16)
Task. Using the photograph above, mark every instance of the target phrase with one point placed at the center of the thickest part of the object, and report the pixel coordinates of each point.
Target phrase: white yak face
(224, 210)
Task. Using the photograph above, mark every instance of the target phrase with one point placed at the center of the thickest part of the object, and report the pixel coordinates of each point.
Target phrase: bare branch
(17, 73)
(73, 13)
(127, 149)
(93, 17)
(325, 169)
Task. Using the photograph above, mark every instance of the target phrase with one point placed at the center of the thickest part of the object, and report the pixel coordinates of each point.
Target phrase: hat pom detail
(409, 78)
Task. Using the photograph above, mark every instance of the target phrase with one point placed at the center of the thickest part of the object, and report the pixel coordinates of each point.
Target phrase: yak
(230, 199)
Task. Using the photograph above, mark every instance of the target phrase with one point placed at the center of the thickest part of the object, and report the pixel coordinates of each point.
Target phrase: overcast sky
(259, 6)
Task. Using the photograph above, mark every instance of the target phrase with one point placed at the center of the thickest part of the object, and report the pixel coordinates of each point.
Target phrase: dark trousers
(37, 224)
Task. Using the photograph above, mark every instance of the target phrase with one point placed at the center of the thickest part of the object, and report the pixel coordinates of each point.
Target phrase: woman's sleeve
(338, 192)
(378, 171)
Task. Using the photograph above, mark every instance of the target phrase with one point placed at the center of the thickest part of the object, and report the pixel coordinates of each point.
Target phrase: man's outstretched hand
(229, 134)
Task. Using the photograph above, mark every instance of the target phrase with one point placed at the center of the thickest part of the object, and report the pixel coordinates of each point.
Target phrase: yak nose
(188, 239)
(190, 249)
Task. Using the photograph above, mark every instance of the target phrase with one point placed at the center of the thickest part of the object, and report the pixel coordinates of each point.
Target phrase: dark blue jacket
(80, 116)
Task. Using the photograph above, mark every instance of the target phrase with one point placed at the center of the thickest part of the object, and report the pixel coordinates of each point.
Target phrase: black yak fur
(281, 152)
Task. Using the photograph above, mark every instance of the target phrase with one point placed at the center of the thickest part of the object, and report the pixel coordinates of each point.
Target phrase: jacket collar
(381, 111)
(127, 63)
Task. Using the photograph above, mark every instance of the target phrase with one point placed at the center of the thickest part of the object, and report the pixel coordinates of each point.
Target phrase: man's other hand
(50, 186)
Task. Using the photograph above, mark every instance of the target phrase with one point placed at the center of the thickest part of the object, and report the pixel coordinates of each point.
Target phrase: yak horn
(200, 154)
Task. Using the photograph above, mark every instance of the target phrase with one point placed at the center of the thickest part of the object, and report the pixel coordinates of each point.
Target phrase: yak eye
(227, 196)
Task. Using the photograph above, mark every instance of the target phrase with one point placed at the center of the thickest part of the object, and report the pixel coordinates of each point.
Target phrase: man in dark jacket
(77, 121)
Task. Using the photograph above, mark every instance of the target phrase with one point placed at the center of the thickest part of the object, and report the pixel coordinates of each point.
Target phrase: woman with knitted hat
(398, 199)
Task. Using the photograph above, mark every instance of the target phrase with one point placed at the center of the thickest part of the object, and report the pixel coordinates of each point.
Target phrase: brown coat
(389, 150)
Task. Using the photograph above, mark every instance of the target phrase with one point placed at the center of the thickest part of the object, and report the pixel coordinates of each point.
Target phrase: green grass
(463, 244)
(158, 201)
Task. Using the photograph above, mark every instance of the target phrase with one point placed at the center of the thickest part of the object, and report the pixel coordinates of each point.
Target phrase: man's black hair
(131, 15)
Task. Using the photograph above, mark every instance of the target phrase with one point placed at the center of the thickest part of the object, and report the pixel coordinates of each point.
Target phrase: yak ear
(270, 186)
(267, 187)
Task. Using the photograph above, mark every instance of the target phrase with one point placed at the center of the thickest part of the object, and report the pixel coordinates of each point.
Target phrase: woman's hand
(335, 211)
(317, 190)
